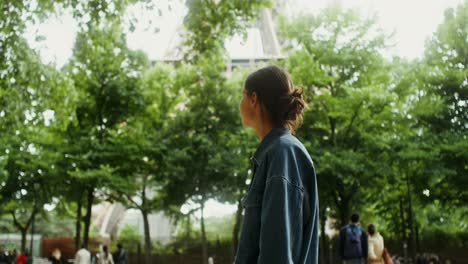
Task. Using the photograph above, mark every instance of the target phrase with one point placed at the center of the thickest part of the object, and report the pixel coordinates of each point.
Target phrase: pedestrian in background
(353, 246)
(83, 256)
(376, 246)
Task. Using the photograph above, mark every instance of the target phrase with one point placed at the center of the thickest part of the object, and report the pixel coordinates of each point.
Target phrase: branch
(34, 211)
(130, 199)
(15, 221)
(355, 115)
(193, 210)
(332, 130)
(335, 195)
(143, 191)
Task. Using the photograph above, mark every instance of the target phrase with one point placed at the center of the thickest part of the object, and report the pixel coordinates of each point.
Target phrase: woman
(376, 246)
(56, 257)
(281, 205)
(105, 257)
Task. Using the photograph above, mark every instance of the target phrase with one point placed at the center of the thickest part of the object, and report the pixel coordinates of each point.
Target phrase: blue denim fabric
(281, 207)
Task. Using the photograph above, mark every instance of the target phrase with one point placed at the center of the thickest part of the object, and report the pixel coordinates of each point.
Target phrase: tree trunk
(24, 232)
(87, 220)
(323, 247)
(21, 228)
(418, 247)
(147, 236)
(32, 231)
(332, 130)
(236, 229)
(139, 252)
(146, 227)
(403, 221)
(344, 207)
(203, 233)
(410, 219)
(78, 223)
(342, 202)
(187, 240)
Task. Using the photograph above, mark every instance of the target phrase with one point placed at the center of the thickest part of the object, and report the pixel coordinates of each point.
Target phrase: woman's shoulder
(376, 238)
(381, 237)
(287, 146)
(287, 143)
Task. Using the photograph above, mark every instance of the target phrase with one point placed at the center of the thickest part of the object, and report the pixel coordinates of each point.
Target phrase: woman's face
(247, 108)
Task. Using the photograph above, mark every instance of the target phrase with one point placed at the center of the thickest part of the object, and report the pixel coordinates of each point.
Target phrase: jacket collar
(262, 149)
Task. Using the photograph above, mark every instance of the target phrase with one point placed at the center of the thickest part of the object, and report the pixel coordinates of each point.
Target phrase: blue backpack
(353, 245)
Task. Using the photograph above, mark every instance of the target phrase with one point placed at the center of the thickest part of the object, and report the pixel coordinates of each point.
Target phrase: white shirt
(104, 260)
(83, 257)
(376, 248)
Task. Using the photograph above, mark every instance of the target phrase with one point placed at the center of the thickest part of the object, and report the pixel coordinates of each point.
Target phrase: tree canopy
(388, 136)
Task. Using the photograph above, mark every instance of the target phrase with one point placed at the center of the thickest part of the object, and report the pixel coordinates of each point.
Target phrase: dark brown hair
(106, 251)
(371, 229)
(275, 91)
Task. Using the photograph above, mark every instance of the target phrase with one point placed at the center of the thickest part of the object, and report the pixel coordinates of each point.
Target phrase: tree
(446, 62)
(335, 57)
(27, 86)
(141, 145)
(200, 162)
(105, 73)
(32, 107)
(210, 23)
(30, 175)
(432, 130)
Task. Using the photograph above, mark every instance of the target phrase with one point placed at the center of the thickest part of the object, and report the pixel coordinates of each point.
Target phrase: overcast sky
(413, 21)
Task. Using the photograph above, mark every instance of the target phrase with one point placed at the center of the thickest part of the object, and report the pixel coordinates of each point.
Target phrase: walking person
(105, 257)
(3, 256)
(23, 257)
(12, 254)
(281, 206)
(375, 245)
(120, 256)
(56, 257)
(353, 245)
(83, 256)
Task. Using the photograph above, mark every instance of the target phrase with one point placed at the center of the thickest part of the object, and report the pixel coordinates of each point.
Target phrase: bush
(129, 237)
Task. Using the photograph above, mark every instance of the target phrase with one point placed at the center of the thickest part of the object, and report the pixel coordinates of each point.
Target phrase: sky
(412, 21)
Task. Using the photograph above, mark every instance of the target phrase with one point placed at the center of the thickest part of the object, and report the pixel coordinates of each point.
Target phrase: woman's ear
(253, 99)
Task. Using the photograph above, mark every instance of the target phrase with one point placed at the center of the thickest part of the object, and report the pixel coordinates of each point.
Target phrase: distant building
(260, 45)
(108, 218)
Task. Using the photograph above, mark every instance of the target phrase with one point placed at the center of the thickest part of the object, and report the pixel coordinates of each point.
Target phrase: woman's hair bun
(296, 105)
(274, 89)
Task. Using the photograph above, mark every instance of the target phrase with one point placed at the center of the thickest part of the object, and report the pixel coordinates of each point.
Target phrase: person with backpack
(353, 245)
(120, 256)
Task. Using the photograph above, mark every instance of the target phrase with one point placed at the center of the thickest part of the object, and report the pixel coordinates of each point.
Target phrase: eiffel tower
(261, 44)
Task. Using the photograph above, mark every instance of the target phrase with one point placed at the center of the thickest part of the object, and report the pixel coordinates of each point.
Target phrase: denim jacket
(281, 206)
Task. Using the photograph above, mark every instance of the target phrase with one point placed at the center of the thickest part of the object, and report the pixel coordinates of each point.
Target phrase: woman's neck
(263, 130)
